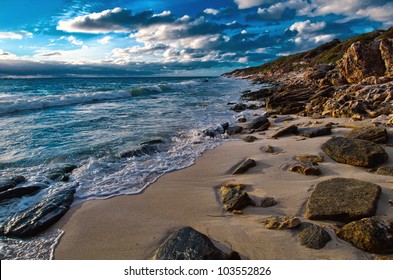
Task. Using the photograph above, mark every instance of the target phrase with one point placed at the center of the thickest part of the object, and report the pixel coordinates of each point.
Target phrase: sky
(69, 38)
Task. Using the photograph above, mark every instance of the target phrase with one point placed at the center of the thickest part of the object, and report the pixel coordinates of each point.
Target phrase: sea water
(90, 123)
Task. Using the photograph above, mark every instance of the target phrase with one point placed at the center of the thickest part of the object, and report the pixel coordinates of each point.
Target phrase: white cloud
(6, 55)
(243, 59)
(15, 35)
(163, 14)
(105, 40)
(382, 14)
(72, 40)
(211, 11)
(245, 4)
(307, 26)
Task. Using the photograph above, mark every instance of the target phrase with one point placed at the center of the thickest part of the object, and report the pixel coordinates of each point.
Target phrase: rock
(309, 158)
(267, 149)
(292, 129)
(189, 244)
(258, 122)
(373, 235)
(361, 61)
(311, 132)
(234, 197)
(225, 126)
(268, 201)
(19, 192)
(342, 199)
(242, 120)
(283, 119)
(280, 222)
(232, 130)
(239, 107)
(249, 139)
(313, 236)
(40, 216)
(139, 152)
(305, 168)
(60, 172)
(386, 48)
(371, 133)
(355, 152)
(249, 163)
(385, 170)
(11, 183)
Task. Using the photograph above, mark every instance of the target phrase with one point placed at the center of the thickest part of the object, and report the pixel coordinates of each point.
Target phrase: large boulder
(371, 133)
(189, 244)
(342, 199)
(373, 235)
(259, 122)
(234, 197)
(42, 215)
(361, 61)
(355, 152)
(313, 236)
(11, 183)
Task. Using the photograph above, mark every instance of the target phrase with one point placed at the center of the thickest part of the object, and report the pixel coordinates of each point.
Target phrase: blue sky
(171, 37)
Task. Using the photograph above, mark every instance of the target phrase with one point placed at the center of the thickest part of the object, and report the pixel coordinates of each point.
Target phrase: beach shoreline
(134, 226)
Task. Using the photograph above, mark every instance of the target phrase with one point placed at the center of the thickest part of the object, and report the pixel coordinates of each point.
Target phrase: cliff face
(352, 78)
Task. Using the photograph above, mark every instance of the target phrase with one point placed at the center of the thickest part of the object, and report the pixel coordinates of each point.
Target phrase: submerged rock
(40, 216)
(60, 173)
(355, 152)
(189, 244)
(313, 236)
(249, 163)
(312, 132)
(11, 183)
(305, 168)
(373, 235)
(371, 133)
(19, 192)
(234, 197)
(280, 222)
(342, 199)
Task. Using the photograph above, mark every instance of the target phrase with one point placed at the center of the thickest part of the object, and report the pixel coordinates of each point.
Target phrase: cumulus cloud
(308, 33)
(105, 40)
(15, 35)
(245, 4)
(307, 26)
(210, 11)
(115, 20)
(71, 39)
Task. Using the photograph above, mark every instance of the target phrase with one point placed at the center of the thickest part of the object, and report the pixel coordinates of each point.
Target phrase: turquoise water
(46, 123)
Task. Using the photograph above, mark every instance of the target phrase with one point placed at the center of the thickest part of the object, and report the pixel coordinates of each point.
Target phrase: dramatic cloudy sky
(171, 37)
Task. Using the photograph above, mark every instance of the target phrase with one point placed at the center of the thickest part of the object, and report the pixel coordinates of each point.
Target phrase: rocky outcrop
(11, 183)
(355, 152)
(61, 173)
(313, 236)
(371, 133)
(40, 216)
(245, 166)
(361, 61)
(342, 199)
(189, 244)
(305, 168)
(386, 48)
(280, 222)
(234, 197)
(19, 192)
(373, 235)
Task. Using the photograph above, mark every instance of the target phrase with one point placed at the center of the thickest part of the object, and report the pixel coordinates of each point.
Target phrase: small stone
(245, 166)
(237, 212)
(234, 197)
(268, 201)
(385, 170)
(249, 139)
(267, 149)
(280, 222)
(305, 168)
(313, 236)
(309, 158)
(242, 120)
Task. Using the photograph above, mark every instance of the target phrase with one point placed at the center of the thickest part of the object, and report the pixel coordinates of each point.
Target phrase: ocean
(120, 134)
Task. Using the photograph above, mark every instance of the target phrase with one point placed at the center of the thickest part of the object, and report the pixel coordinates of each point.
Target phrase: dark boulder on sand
(313, 236)
(371, 133)
(42, 215)
(234, 197)
(189, 244)
(355, 152)
(245, 166)
(232, 130)
(11, 183)
(373, 235)
(312, 132)
(259, 122)
(342, 199)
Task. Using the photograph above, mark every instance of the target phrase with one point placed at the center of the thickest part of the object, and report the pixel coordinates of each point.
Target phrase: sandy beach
(134, 226)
